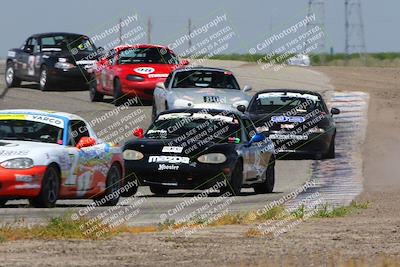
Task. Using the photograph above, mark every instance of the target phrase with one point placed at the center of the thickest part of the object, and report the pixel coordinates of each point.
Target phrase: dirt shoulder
(370, 236)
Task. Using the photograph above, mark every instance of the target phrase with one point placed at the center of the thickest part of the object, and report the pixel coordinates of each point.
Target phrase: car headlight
(182, 103)
(214, 158)
(64, 65)
(132, 155)
(316, 130)
(134, 78)
(18, 163)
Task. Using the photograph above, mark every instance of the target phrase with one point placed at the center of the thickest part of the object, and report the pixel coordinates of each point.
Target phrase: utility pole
(189, 32)
(317, 8)
(120, 31)
(149, 29)
(354, 27)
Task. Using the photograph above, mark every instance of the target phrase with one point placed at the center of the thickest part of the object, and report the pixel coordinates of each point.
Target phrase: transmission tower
(317, 7)
(354, 25)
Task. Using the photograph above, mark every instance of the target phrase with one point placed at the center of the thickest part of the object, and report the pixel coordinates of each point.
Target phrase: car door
(255, 161)
(84, 160)
(23, 58)
(107, 73)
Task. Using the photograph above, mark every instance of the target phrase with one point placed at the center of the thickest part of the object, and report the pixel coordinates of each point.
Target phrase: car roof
(64, 115)
(301, 91)
(209, 111)
(56, 34)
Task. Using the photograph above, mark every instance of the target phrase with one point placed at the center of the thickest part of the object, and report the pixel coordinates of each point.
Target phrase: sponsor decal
(6, 153)
(287, 126)
(169, 159)
(194, 116)
(288, 136)
(163, 167)
(297, 119)
(288, 94)
(161, 75)
(144, 70)
(46, 119)
(172, 149)
(23, 178)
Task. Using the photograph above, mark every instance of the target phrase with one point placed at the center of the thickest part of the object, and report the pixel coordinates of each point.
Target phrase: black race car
(51, 58)
(198, 149)
(297, 121)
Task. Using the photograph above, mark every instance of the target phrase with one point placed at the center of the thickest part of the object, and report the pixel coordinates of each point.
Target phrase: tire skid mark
(338, 181)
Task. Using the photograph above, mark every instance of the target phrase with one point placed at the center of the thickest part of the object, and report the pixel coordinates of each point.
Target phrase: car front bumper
(26, 183)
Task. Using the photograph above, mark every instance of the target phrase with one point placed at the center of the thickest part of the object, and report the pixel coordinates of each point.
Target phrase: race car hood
(150, 71)
(40, 153)
(173, 147)
(208, 98)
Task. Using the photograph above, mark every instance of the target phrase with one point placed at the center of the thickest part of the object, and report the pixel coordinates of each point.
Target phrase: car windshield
(73, 43)
(278, 102)
(153, 55)
(198, 126)
(30, 131)
(205, 79)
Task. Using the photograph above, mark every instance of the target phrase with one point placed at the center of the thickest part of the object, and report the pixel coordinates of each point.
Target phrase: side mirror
(184, 62)
(86, 142)
(160, 85)
(258, 137)
(101, 52)
(28, 48)
(335, 111)
(247, 88)
(241, 108)
(138, 132)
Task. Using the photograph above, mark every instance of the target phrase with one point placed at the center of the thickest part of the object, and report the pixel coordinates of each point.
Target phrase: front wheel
(153, 111)
(44, 83)
(3, 202)
(95, 96)
(119, 98)
(158, 190)
(11, 79)
(234, 186)
(49, 191)
(113, 185)
(267, 186)
(331, 151)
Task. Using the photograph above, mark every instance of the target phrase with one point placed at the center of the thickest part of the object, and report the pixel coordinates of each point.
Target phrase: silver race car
(199, 87)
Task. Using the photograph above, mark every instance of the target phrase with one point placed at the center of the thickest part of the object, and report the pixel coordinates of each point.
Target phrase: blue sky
(252, 21)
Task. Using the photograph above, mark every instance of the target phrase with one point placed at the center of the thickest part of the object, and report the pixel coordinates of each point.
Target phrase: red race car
(131, 71)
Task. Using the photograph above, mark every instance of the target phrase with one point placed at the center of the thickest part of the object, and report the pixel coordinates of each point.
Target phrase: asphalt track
(290, 175)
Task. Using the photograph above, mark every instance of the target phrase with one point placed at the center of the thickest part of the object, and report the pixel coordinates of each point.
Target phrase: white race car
(199, 87)
(46, 156)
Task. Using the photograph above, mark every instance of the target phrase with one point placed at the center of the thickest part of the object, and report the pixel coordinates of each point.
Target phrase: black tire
(3, 202)
(49, 191)
(132, 190)
(113, 184)
(44, 81)
(95, 96)
(158, 190)
(331, 151)
(234, 186)
(10, 78)
(268, 185)
(119, 98)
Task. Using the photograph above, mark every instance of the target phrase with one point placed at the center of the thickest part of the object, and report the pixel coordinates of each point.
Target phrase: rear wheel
(119, 98)
(49, 191)
(153, 111)
(11, 79)
(268, 185)
(44, 82)
(158, 190)
(234, 186)
(113, 185)
(3, 202)
(95, 96)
